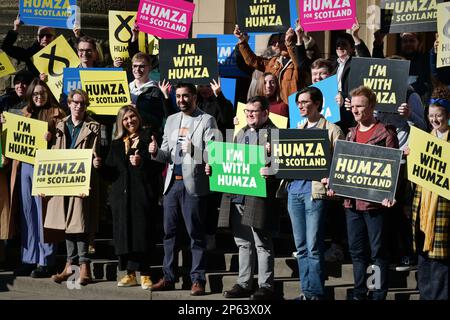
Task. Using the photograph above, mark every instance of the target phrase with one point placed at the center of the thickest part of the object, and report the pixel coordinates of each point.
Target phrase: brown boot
(64, 275)
(85, 274)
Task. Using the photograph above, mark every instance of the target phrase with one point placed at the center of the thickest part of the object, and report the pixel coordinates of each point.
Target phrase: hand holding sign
(404, 110)
(208, 170)
(436, 43)
(48, 136)
(241, 36)
(135, 159)
(135, 33)
(290, 36)
(388, 203)
(153, 146)
(265, 172)
(5, 160)
(43, 77)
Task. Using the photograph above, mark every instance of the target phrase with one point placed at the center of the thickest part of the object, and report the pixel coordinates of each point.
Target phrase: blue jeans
(367, 243)
(307, 218)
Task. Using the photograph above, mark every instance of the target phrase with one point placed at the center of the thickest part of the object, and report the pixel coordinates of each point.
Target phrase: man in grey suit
(186, 135)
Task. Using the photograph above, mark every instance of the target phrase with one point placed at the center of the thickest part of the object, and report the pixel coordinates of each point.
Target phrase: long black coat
(133, 196)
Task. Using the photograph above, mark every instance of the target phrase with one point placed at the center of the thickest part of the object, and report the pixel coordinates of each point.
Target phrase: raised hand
(135, 159)
(153, 146)
(97, 161)
(165, 88)
(215, 86)
(240, 35)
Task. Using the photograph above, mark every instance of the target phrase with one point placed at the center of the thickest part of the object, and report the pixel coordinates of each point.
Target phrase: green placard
(235, 168)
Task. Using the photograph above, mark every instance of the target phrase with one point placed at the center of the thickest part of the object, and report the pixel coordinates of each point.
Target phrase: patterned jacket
(441, 228)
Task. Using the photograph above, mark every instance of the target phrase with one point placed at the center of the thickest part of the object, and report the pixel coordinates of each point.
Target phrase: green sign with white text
(235, 168)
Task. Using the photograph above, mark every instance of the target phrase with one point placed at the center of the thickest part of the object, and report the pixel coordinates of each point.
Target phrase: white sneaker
(294, 254)
(334, 253)
(210, 242)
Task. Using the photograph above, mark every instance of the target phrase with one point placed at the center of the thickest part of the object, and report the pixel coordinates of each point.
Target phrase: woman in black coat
(133, 196)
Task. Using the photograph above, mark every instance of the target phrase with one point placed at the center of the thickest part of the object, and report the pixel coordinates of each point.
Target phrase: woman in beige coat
(76, 215)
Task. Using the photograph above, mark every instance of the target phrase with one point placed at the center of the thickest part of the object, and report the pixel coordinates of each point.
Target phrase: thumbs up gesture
(153, 146)
(97, 161)
(135, 159)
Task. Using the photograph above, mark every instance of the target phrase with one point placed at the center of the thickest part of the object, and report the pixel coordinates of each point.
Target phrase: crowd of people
(152, 154)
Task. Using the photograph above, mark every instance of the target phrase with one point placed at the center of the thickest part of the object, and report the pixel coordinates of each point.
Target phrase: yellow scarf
(428, 208)
(131, 142)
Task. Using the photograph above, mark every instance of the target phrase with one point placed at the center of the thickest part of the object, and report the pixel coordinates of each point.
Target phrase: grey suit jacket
(203, 129)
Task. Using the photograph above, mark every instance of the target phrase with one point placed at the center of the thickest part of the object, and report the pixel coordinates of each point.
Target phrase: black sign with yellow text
(387, 78)
(399, 16)
(263, 15)
(188, 60)
(365, 172)
(301, 154)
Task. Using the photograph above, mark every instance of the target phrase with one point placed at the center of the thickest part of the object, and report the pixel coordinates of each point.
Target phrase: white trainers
(210, 242)
(334, 253)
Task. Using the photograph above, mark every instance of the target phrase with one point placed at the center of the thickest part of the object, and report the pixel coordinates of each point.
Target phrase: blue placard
(56, 14)
(229, 89)
(226, 56)
(330, 110)
(294, 12)
(71, 77)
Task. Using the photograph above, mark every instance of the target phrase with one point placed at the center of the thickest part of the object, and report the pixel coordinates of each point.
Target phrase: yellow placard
(120, 25)
(6, 67)
(52, 60)
(280, 121)
(148, 44)
(108, 90)
(62, 172)
(23, 137)
(429, 162)
(443, 25)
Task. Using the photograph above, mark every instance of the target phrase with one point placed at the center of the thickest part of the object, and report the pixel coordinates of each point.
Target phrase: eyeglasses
(48, 35)
(303, 103)
(247, 111)
(39, 94)
(139, 66)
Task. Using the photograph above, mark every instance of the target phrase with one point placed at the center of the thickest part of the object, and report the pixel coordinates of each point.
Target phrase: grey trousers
(77, 248)
(249, 240)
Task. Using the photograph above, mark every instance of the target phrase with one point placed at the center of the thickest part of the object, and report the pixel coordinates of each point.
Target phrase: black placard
(263, 15)
(387, 78)
(365, 172)
(188, 60)
(301, 154)
(408, 15)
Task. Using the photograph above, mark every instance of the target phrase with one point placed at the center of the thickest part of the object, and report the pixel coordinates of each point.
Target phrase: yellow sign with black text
(23, 137)
(62, 172)
(108, 90)
(52, 60)
(443, 25)
(429, 162)
(6, 67)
